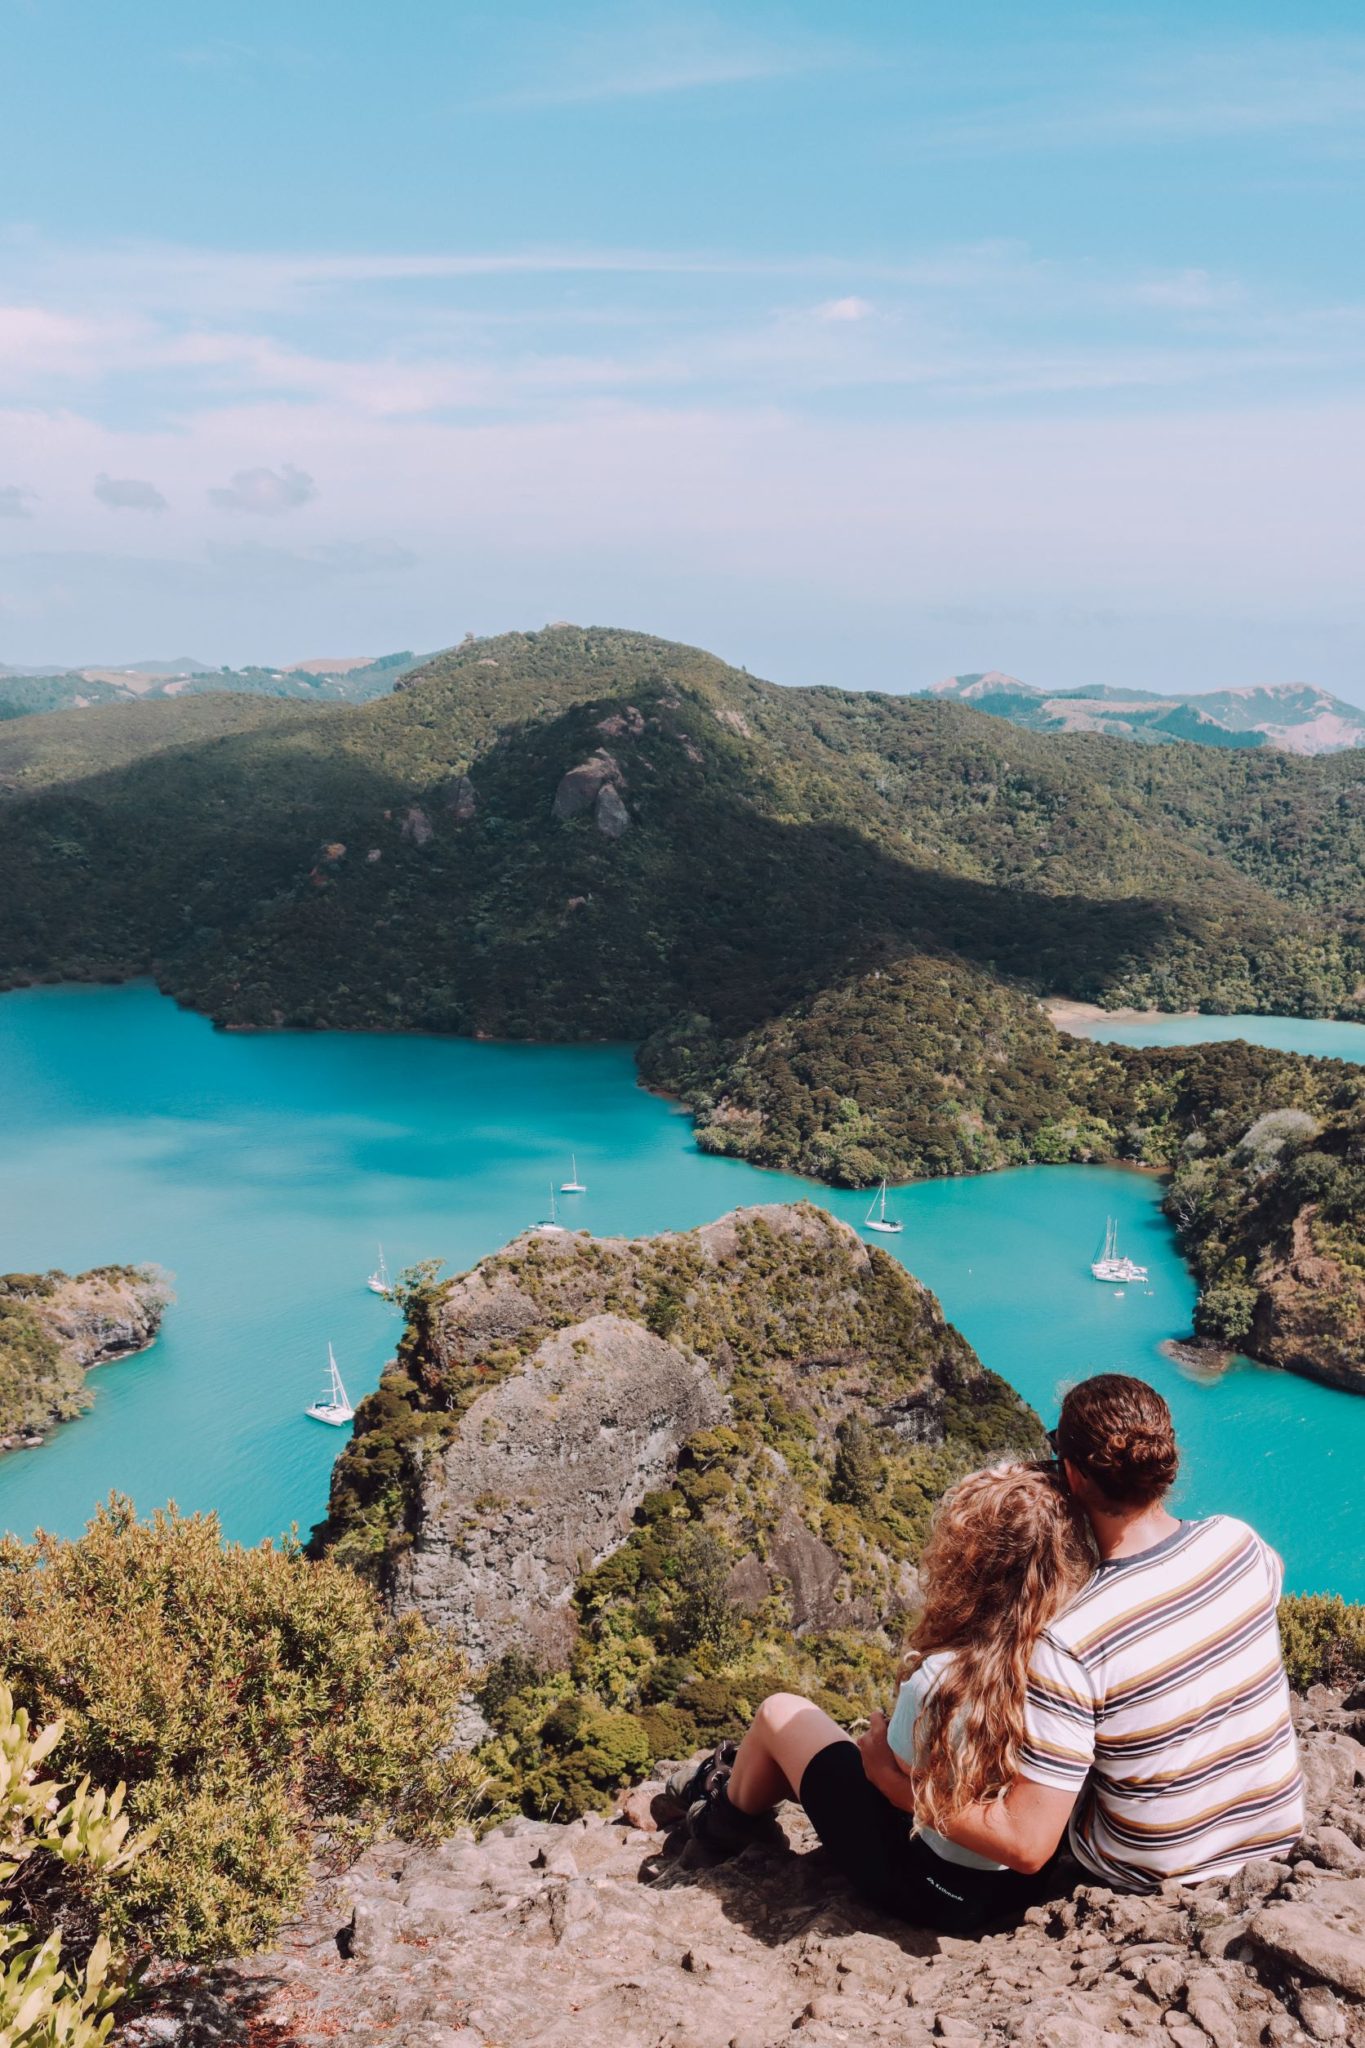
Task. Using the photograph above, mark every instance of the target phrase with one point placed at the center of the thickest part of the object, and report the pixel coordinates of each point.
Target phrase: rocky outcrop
(680, 1398)
(609, 813)
(55, 1326)
(460, 801)
(416, 826)
(604, 1931)
(578, 790)
(595, 785)
(628, 723)
(1310, 1312)
(542, 1480)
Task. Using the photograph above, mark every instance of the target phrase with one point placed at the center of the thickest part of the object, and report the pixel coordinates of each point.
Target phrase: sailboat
(334, 1406)
(379, 1281)
(573, 1185)
(552, 1227)
(1113, 1265)
(881, 1221)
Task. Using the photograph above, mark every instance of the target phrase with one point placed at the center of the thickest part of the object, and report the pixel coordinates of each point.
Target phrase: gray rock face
(460, 800)
(626, 724)
(416, 826)
(544, 1475)
(579, 789)
(610, 815)
(101, 1316)
(598, 1932)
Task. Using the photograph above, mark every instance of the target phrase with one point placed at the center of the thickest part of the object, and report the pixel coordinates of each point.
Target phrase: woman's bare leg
(787, 1732)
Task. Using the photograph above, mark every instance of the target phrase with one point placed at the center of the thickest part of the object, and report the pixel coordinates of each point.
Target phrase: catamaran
(1113, 1265)
(881, 1221)
(379, 1281)
(334, 1406)
(552, 1227)
(573, 1185)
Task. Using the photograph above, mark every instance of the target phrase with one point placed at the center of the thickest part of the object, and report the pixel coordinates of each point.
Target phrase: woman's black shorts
(870, 1841)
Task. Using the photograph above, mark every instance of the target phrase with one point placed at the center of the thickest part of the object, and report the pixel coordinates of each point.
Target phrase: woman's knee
(778, 1710)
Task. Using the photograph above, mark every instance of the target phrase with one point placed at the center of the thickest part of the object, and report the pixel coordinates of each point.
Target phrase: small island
(54, 1327)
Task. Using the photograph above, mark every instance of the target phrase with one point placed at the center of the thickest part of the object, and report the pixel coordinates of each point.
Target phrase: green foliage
(42, 1378)
(50, 1998)
(858, 1474)
(1226, 1310)
(246, 1698)
(40, 1382)
(1323, 1638)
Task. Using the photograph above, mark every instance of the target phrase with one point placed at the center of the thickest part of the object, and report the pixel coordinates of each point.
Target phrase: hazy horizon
(864, 349)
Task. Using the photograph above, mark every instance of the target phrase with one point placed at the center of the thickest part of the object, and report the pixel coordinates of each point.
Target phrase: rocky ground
(548, 1936)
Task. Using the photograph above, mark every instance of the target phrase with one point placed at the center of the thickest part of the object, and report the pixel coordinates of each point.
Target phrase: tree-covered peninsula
(54, 1327)
(827, 916)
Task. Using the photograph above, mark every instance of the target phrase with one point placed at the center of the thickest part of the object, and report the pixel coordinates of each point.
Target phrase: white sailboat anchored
(573, 1185)
(379, 1281)
(881, 1221)
(1113, 1265)
(551, 1227)
(334, 1407)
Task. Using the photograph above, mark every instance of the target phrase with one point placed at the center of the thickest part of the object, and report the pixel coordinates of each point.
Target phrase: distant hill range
(1295, 717)
(348, 679)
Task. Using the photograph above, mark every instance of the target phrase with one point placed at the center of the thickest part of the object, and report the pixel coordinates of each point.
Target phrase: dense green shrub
(1324, 1639)
(247, 1698)
(60, 1852)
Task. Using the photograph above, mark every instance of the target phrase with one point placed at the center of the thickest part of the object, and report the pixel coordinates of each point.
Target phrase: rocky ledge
(553, 1936)
(54, 1326)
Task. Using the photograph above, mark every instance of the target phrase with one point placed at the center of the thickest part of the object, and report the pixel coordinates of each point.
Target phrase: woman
(1007, 1551)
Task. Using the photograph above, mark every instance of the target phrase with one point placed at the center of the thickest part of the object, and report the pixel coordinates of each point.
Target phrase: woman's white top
(914, 1691)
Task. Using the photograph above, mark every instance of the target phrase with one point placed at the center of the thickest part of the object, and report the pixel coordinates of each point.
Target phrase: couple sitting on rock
(1083, 1663)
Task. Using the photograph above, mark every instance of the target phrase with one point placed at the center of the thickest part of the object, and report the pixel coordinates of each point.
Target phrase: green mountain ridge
(24, 694)
(1298, 718)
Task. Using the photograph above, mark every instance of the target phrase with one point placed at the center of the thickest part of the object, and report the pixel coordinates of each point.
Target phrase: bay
(264, 1170)
(1326, 1038)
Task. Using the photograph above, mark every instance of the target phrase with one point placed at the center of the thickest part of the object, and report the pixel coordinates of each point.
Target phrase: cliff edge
(54, 1327)
(556, 1936)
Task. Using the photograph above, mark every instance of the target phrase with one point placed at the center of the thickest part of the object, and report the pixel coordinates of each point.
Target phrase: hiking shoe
(691, 1782)
(717, 1826)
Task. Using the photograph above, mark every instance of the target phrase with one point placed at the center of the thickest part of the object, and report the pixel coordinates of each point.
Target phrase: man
(1158, 1709)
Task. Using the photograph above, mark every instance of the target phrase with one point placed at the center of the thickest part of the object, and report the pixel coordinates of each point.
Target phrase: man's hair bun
(1119, 1432)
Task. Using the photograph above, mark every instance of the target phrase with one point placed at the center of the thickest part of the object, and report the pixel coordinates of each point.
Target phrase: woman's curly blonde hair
(1007, 1550)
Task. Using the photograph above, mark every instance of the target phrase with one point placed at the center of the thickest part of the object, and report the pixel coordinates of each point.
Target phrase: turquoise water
(263, 1170)
(1322, 1036)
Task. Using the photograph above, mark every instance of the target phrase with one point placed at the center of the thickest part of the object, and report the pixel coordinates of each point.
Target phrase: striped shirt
(1163, 1686)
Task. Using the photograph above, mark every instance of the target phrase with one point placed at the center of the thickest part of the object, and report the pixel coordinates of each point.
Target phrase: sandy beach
(1076, 1018)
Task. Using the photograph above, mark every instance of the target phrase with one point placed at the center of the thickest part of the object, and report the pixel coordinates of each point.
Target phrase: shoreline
(1071, 1016)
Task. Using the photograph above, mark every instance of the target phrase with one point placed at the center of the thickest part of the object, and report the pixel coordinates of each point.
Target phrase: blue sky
(861, 344)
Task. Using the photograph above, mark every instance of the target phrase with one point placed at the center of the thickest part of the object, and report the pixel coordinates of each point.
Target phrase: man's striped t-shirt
(1163, 1685)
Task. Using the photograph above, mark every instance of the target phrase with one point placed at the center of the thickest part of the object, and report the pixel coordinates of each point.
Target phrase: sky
(861, 344)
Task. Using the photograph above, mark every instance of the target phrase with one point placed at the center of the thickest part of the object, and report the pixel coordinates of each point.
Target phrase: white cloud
(649, 51)
(1243, 87)
(844, 309)
(15, 501)
(265, 490)
(128, 494)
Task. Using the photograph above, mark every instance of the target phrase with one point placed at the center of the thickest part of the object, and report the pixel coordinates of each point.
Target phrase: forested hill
(421, 861)
(828, 915)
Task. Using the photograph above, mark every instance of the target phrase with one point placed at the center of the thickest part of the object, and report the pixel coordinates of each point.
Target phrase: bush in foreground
(256, 1704)
(58, 1853)
(1323, 1638)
